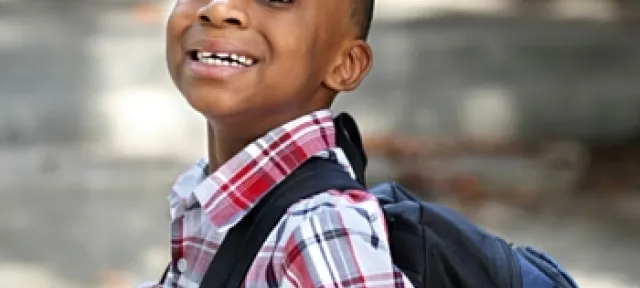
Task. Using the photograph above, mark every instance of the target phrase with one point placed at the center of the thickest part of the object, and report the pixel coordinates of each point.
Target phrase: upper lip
(217, 45)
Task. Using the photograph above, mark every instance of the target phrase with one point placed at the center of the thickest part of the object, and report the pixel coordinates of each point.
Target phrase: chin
(217, 105)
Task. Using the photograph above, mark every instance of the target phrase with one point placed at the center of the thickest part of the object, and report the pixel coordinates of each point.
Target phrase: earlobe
(351, 68)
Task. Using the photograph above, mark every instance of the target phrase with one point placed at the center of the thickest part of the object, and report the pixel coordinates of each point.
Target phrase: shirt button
(182, 265)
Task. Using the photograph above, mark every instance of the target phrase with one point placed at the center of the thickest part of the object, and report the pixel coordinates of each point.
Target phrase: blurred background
(522, 114)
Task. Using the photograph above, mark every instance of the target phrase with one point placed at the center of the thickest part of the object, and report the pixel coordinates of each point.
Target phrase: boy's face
(233, 58)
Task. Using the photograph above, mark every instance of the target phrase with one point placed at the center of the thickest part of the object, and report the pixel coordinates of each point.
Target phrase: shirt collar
(235, 187)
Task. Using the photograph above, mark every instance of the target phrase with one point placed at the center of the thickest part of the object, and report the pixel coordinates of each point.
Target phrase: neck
(228, 138)
(225, 141)
(211, 151)
(223, 145)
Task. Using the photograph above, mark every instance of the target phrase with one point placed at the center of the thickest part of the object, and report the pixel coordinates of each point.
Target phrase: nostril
(228, 21)
(233, 21)
(205, 19)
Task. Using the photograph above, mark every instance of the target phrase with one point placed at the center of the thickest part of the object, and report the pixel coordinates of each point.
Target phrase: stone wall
(503, 78)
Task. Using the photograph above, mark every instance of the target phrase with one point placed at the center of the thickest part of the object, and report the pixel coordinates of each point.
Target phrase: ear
(351, 67)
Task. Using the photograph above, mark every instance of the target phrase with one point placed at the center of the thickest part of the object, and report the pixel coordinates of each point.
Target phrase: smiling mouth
(222, 59)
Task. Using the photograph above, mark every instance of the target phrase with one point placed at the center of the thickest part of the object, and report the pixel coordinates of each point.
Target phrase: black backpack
(446, 250)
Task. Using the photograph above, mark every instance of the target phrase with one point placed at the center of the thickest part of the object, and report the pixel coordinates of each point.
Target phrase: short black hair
(362, 15)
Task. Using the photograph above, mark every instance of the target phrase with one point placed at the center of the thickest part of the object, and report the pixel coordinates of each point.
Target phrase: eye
(277, 4)
(281, 1)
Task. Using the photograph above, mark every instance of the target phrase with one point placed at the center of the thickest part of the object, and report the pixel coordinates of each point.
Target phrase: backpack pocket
(539, 270)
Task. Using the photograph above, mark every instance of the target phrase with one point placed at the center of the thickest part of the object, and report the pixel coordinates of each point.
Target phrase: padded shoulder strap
(240, 247)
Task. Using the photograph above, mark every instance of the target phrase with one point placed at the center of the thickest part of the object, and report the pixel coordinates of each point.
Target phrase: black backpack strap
(349, 140)
(240, 247)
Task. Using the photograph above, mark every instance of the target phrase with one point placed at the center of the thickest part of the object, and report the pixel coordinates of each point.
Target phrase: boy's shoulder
(352, 209)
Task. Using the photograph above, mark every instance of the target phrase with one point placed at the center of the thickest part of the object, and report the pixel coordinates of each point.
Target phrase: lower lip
(214, 72)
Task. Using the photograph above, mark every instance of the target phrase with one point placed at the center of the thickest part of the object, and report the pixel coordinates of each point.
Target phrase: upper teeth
(224, 59)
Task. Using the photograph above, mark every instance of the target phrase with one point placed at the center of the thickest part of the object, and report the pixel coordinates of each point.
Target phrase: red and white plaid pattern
(334, 239)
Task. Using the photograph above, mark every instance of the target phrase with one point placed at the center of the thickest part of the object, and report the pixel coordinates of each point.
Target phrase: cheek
(296, 58)
(173, 59)
(180, 20)
(177, 25)
(288, 82)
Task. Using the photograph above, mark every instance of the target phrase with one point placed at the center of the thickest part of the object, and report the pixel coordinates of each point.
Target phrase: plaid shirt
(333, 239)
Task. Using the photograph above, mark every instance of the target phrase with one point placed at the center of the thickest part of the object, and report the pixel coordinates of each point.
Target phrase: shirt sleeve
(170, 281)
(149, 284)
(341, 246)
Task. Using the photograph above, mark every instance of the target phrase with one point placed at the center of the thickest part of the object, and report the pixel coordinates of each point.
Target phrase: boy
(264, 74)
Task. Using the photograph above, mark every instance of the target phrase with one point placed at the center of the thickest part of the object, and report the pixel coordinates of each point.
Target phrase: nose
(223, 14)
